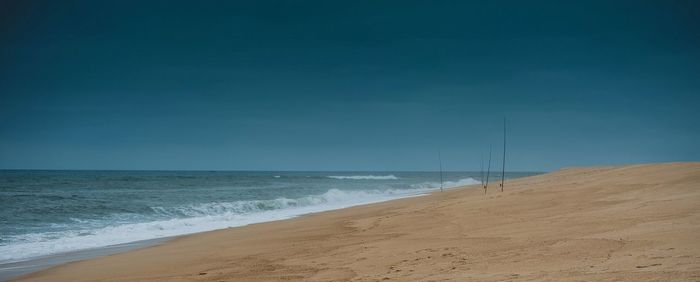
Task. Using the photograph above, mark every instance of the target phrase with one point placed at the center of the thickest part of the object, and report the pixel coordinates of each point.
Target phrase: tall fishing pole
(482, 169)
(503, 171)
(488, 171)
(440, 160)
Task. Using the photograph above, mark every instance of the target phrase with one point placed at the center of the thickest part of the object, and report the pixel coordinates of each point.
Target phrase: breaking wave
(187, 219)
(364, 177)
(447, 184)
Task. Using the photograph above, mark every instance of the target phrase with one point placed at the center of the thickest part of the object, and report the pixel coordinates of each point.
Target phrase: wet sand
(19, 268)
(628, 223)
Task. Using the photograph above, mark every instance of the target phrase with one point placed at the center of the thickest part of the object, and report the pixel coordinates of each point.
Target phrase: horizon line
(241, 170)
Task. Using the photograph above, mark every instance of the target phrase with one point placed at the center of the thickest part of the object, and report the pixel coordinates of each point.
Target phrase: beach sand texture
(627, 223)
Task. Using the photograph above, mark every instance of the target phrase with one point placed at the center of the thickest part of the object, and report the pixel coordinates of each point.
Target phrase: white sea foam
(364, 177)
(192, 219)
(447, 184)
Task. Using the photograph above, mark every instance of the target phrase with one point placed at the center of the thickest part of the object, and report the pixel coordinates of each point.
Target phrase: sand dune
(629, 223)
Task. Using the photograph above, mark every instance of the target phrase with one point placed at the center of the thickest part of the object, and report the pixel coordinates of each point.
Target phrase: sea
(45, 213)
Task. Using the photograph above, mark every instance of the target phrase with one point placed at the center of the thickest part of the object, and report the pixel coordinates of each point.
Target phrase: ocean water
(52, 212)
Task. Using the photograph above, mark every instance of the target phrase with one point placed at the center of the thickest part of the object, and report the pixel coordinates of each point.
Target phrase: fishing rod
(440, 160)
(482, 170)
(488, 171)
(503, 171)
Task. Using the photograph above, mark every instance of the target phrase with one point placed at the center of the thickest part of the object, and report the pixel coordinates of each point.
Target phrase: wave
(447, 184)
(364, 177)
(189, 219)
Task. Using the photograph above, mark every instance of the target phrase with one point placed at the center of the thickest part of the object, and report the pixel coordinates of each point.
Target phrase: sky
(347, 85)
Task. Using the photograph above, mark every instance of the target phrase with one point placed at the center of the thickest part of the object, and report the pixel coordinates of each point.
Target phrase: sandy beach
(626, 223)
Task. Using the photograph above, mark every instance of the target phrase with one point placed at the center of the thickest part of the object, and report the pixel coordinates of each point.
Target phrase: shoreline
(18, 269)
(12, 270)
(634, 222)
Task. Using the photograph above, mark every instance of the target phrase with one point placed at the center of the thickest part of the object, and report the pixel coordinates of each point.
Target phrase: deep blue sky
(355, 85)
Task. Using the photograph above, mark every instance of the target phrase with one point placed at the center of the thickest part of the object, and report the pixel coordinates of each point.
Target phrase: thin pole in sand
(503, 172)
(482, 169)
(440, 160)
(488, 171)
